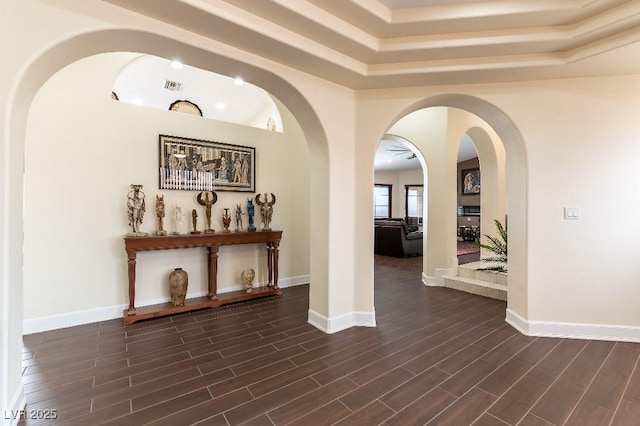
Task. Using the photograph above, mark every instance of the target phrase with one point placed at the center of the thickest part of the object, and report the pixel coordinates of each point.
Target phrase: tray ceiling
(393, 43)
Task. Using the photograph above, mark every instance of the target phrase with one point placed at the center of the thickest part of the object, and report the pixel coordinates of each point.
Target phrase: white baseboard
(438, 279)
(294, 281)
(431, 281)
(70, 319)
(342, 322)
(11, 415)
(573, 330)
(517, 322)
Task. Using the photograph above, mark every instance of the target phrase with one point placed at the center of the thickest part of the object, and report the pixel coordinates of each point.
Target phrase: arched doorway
(400, 189)
(89, 152)
(516, 190)
(469, 213)
(81, 46)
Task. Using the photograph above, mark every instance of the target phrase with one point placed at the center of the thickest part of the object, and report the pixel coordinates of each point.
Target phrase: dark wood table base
(134, 244)
(162, 309)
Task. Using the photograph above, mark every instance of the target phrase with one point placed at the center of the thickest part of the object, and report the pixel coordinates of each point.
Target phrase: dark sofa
(393, 237)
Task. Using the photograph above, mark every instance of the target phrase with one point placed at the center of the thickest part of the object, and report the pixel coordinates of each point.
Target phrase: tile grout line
(586, 388)
(475, 386)
(552, 383)
(626, 386)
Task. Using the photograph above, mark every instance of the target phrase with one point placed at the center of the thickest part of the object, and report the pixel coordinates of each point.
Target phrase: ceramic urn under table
(178, 283)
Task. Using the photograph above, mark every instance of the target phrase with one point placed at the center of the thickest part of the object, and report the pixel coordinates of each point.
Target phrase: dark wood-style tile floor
(437, 356)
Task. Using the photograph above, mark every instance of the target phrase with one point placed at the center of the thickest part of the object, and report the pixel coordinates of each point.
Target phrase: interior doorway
(398, 198)
(439, 133)
(469, 211)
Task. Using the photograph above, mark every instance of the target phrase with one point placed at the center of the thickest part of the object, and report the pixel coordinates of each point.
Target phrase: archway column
(341, 294)
(12, 240)
(11, 392)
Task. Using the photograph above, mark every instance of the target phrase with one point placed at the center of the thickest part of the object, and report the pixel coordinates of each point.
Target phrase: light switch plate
(572, 212)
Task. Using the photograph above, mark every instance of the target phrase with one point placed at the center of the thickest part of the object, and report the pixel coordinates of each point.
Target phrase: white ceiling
(405, 4)
(370, 44)
(381, 43)
(142, 82)
(396, 154)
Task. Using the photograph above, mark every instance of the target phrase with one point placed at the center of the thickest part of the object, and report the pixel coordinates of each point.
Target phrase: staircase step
(473, 271)
(490, 289)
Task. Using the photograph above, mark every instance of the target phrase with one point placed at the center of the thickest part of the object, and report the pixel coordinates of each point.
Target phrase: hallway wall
(580, 140)
(570, 142)
(80, 162)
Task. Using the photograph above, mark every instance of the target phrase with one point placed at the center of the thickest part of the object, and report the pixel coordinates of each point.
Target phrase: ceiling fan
(401, 150)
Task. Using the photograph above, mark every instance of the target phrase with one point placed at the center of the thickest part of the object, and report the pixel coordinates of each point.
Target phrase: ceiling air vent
(174, 86)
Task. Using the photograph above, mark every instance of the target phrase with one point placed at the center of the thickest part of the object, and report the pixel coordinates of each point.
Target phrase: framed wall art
(198, 165)
(470, 181)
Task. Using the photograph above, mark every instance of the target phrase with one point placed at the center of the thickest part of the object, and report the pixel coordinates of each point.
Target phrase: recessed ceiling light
(238, 81)
(220, 105)
(176, 65)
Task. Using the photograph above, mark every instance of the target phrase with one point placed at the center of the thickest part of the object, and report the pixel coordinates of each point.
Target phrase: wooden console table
(212, 242)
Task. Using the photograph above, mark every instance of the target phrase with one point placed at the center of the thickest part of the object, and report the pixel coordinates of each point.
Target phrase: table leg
(132, 282)
(274, 258)
(212, 267)
(270, 263)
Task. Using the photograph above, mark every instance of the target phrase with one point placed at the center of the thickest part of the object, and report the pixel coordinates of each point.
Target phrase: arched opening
(480, 183)
(83, 46)
(154, 82)
(480, 198)
(441, 232)
(399, 198)
(469, 213)
(93, 149)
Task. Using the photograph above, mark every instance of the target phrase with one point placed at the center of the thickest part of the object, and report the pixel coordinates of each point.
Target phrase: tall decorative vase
(178, 283)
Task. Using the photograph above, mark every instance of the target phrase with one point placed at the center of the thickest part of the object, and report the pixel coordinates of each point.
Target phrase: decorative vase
(178, 283)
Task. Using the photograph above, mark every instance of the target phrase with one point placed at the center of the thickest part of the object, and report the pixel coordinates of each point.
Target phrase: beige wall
(582, 141)
(570, 142)
(558, 268)
(80, 162)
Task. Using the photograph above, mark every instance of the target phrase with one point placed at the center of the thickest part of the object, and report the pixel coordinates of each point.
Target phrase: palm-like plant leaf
(497, 246)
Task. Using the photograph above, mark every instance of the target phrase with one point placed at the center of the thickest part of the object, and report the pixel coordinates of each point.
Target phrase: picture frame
(470, 181)
(200, 165)
(186, 107)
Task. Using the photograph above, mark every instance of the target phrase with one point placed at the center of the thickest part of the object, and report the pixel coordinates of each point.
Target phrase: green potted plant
(497, 246)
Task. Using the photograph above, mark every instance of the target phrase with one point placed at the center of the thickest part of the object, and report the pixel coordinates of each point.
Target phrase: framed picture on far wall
(470, 181)
(198, 165)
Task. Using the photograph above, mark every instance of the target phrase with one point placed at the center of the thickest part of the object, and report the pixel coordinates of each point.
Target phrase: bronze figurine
(194, 221)
(226, 220)
(266, 210)
(208, 200)
(239, 214)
